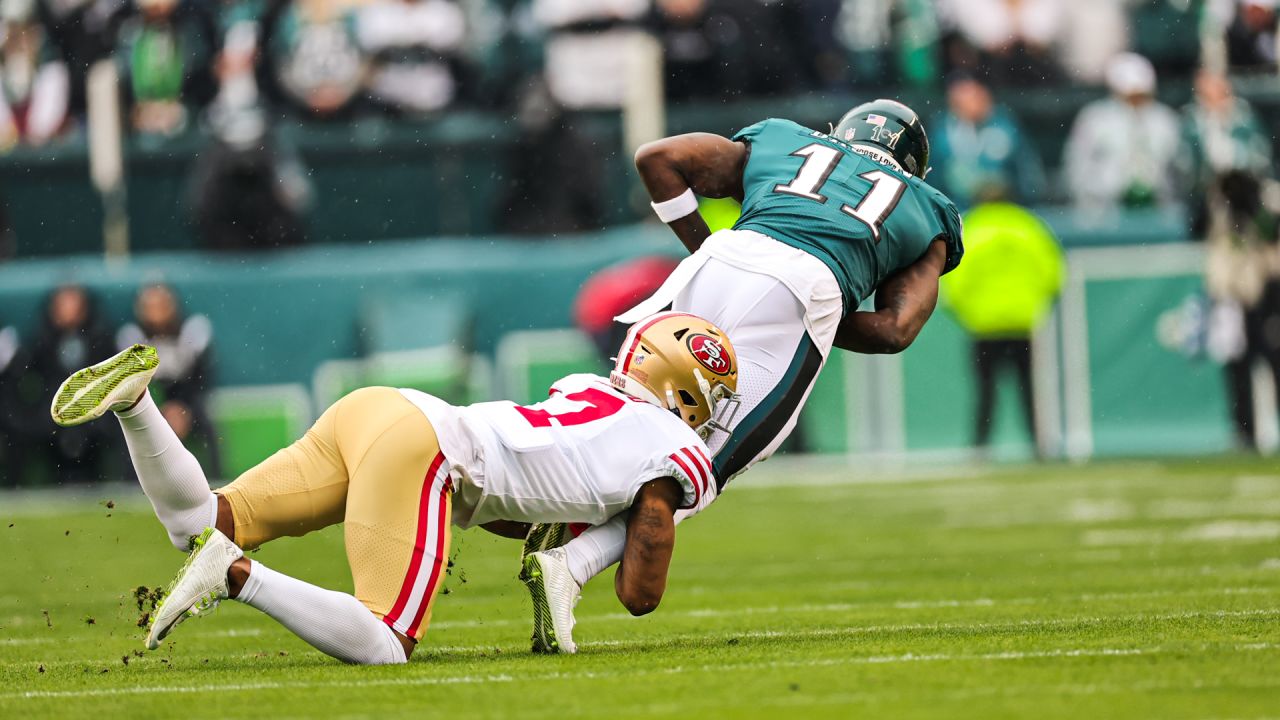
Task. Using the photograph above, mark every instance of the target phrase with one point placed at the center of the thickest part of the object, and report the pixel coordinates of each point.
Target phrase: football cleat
(544, 536)
(199, 587)
(555, 593)
(113, 384)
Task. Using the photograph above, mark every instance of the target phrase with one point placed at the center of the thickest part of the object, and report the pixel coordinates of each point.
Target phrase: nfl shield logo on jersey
(709, 352)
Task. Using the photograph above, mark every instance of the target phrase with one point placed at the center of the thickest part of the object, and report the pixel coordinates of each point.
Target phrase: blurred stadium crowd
(73, 334)
(229, 71)
(1147, 90)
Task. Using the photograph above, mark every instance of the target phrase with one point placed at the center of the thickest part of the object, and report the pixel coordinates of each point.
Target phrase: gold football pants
(373, 462)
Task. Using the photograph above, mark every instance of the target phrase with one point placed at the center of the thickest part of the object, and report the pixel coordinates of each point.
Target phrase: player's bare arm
(651, 537)
(904, 302)
(707, 164)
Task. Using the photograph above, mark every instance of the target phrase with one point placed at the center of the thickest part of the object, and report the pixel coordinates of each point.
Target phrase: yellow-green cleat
(113, 384)
(544, 536)
(554, 593)
(200, 585)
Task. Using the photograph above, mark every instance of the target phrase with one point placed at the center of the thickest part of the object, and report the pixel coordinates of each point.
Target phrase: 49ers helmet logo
(709, 352)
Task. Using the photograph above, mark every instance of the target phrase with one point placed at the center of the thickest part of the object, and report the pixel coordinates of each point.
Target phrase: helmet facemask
(724, 405)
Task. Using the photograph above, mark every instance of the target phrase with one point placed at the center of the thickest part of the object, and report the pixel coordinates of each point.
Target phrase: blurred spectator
(551, 147)
(83, 32)
(869, 42)
(1242, 279)
(246, 190)
(311, 59)
(587, 48)
(415, 48)
(979, 152)
(1123, 150)
(1093, 32)
(1011, 40)
(181, 383)
(725, 48)
(69, 340)
(1251, 37)
(1222, 134)
(1001, 294)
(248, 196)
(167, 50)
(1229, 155)
(611, 292)
(36, 86)
(1166, 32)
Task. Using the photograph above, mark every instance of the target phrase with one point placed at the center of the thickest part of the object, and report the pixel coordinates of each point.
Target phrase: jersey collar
(877, 153)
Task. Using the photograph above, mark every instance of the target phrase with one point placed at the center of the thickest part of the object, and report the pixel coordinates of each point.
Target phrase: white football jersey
(578, 456)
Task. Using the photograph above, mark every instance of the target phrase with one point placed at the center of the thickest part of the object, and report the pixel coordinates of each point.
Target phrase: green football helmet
(890, 125)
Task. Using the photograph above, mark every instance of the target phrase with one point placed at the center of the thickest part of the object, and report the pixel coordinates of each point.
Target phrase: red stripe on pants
(419, 545)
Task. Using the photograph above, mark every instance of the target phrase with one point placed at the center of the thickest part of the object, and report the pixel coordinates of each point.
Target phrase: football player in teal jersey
(828, 220)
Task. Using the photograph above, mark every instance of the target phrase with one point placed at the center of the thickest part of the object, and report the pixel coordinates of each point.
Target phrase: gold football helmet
(684, 364)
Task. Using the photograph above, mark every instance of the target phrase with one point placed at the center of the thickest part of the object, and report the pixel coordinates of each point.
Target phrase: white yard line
(719, 669)
(850, 631)
(808, 608)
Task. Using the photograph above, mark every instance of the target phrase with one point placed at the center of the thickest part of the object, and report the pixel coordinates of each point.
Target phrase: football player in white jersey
(396, 465)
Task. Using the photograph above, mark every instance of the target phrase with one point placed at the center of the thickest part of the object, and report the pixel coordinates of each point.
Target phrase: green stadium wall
(1106, 383)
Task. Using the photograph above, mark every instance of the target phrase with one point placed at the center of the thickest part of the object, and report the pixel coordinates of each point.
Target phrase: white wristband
(677, 207)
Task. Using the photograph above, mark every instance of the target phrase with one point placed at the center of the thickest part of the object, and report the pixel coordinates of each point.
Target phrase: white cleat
(113, 384)
(199, 587)
(555, 593)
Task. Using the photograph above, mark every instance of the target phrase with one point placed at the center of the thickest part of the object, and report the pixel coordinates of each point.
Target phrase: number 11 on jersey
(820, 162)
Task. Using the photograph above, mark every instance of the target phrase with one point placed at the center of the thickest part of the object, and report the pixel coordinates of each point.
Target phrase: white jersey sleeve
(688, 461)
(581, 455)
(691, 467)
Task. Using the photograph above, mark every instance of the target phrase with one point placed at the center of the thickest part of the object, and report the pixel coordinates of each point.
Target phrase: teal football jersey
(859, 214)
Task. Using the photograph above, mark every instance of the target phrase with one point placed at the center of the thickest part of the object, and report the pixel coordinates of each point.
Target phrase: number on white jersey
(820, 161)
(599, 404)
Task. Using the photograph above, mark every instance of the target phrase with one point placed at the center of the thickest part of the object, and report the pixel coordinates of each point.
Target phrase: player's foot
(554, 593)
(113, 384)
(199, 587)
(544, 536)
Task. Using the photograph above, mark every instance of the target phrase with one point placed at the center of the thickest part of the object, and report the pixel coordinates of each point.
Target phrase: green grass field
(1139, 589)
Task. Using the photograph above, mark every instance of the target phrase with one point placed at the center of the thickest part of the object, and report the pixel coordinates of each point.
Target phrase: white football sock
(600, 546)
(334, 623)
(170, 475)
(596, 548)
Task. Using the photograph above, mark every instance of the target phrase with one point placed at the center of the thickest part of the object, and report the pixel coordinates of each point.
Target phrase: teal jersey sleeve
(953, 227)
(855, 211)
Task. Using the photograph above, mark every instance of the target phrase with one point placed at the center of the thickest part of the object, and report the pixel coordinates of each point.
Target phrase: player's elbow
(897, 342)
(640, 601)
(884, 343)
(652, 154)
(639, 596)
